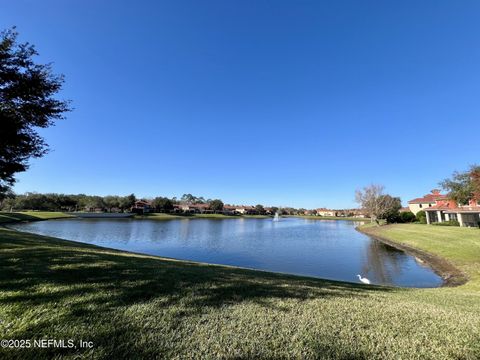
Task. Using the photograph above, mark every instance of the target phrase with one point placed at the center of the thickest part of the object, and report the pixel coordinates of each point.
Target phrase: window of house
(420, 206)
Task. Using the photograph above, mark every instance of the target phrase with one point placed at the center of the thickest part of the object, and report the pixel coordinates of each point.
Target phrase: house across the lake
(326, 212)
(142, 207)
(192, 208)
(246, 210)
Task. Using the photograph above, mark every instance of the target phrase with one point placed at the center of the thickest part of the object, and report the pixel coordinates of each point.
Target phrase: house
(245, 210)
(229, 210)
(359, 213)
(142, 207)
(447, 209)
(269, 211)
(192, 208)
(326, 212)
(425, 202)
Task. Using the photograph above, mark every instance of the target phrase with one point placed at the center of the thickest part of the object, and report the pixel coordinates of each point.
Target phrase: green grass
(6, 217)
(314, 217)
(459, 245)
(134, 306)
(163, 216)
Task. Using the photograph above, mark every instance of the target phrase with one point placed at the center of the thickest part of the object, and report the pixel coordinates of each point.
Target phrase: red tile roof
(429, 198)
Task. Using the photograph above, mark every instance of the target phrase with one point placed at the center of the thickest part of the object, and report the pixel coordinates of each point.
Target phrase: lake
(319, 248)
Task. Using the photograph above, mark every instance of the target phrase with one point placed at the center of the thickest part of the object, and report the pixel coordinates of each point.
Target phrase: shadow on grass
(15, 217)
(88, 281)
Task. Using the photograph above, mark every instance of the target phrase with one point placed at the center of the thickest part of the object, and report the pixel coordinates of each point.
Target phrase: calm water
(326, 249)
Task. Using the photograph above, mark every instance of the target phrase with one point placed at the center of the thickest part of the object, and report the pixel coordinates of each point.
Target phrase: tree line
(115, 203)
(64, 202)
(111, 203)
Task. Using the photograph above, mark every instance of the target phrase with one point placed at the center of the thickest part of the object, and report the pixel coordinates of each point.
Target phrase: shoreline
(94, 291)
(449, 273)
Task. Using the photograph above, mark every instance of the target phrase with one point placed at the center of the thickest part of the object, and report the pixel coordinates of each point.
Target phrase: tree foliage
(192, 199)
(162, 204)
(63, 202)
(407, 217)
(377, 204)
(216, 205)
(475, 178)
(463, 186)
(260, 209)
(421, 217)
(27, 102)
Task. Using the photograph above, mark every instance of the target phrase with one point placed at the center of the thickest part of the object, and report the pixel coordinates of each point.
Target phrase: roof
(429, 198)
(474, 210)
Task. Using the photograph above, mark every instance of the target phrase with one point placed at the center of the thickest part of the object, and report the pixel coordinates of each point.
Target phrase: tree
(126, 202)
(216, 205)
(421, 217)
(260, 209)
(27, 102)
(188, 199)
(274, 209)
(377, 204)
(9, 203)
(162, 204)
(94, 202)
(391, 206)
(407, 217)
(475, 176)
(111, 201)
(463, 186)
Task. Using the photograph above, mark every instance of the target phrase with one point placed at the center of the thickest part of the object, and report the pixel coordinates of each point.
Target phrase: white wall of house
(415, 208)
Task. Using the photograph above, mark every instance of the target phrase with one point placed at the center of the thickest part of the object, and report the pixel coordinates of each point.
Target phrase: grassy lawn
(460, 246)
(314, 217)
(6, 217)
(134, 306)
(162, 216)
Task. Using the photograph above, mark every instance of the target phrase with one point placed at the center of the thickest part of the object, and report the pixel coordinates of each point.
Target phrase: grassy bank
(314, 217)
(134, 306)
(6, 217)
(460, 246)
(163, 216)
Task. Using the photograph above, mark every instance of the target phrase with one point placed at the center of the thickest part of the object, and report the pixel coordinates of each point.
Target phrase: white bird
(363, 280)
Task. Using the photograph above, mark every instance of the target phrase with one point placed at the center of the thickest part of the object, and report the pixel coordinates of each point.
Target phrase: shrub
(393, 218)
(448, 223)
(421, 217)
(407, 217)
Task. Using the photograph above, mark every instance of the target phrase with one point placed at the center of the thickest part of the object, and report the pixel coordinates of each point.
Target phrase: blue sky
(276, 102)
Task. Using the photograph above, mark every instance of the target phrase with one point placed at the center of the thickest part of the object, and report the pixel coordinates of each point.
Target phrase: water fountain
(276, 217)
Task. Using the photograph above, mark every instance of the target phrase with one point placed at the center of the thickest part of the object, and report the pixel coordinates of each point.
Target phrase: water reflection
(327, 249)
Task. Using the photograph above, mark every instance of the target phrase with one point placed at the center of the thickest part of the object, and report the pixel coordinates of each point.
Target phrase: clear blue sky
(276, 102)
